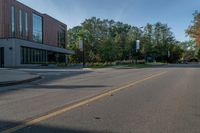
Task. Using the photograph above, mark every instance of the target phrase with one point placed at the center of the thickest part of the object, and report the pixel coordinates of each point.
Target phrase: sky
(176, 13)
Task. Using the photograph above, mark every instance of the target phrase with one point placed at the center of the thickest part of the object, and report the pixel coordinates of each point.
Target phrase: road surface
(150, 100)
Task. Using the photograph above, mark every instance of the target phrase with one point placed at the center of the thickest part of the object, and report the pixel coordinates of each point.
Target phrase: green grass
(137, 66)
(99, 66)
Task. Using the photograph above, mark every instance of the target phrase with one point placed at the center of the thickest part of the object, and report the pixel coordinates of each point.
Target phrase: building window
(33, 56)
(20, 24)
(37, 28)
(13, 21)
(26, 25)
(61, 38)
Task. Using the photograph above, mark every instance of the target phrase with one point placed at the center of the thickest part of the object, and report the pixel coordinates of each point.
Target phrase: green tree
(107, 40)
(194, 29)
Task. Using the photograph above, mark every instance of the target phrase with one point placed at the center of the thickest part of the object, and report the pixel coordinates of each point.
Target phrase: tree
(148, 39)
(73, 41)
(107, 41)
(189, 48)
(194, 29)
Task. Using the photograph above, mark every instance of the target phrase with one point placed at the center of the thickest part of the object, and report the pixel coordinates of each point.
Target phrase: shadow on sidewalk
(48, 79)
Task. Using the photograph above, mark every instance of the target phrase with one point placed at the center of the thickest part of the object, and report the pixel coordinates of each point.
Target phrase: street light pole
(82, 49)
(168, 56)
(137, 46)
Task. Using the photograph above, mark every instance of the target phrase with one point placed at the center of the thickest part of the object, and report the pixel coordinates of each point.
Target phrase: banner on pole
(137, 44)
(81, 45)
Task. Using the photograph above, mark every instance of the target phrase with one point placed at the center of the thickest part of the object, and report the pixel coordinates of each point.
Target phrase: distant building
(28, 37)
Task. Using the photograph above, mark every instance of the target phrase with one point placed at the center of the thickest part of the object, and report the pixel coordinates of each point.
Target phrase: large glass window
(13, 21)
(33, 56)
(20, 24)
(61, 38)
(26, 25)
(37, 28)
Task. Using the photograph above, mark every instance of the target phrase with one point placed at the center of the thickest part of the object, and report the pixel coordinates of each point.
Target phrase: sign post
(137, 48)
(81, 47)
(137, 45)
(168, 54)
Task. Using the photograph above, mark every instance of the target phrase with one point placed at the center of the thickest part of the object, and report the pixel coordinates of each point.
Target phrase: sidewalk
(12, 77)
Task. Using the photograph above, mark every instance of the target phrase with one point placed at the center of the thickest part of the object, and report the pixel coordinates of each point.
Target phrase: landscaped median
(145, 65)
(10, 77)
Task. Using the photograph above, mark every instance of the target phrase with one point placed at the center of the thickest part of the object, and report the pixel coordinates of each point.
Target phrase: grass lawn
(121, 66)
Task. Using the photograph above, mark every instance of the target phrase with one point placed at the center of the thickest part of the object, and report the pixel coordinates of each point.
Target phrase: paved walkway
(12, 77)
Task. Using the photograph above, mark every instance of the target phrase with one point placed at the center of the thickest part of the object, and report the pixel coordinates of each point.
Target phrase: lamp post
(168, 56)
(138, 44)
(83, 34)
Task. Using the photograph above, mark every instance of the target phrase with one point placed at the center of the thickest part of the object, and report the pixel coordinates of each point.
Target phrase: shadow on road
(46, 78)
(45, 129)
(52, 75)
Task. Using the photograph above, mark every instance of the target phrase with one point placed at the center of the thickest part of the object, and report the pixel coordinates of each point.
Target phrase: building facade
(28, 37)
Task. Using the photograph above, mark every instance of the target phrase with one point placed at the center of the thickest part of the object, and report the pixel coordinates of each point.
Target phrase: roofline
(43, 14)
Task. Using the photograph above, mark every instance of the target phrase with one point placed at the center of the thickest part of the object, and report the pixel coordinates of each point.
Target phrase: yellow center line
(76, 105)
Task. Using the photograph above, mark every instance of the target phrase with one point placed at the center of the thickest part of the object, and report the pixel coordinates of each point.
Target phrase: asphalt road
(150, 100)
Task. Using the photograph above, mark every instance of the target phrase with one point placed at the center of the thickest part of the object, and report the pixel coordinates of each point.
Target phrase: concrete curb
(10, 83)
(88, 69)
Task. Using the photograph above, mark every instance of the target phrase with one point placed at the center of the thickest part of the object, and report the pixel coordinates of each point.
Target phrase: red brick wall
(51, 28)
(50, 25)
(1, 18)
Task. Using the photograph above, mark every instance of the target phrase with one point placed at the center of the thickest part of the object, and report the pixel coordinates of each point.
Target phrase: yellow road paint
(76, 105)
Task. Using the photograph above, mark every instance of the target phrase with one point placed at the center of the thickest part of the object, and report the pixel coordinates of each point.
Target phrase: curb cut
(11, 83)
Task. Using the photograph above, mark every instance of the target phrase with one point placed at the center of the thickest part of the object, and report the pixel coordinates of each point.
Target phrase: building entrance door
(1, 57)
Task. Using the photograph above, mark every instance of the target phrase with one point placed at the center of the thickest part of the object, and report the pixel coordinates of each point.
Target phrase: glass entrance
(1, 57)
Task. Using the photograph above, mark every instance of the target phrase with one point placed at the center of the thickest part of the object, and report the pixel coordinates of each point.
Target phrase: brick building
(28, 37)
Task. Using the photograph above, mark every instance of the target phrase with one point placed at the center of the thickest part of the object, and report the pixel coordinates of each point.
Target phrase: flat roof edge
(35, 45)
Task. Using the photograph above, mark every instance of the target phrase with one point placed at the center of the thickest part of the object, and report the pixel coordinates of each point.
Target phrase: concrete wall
(11, 53)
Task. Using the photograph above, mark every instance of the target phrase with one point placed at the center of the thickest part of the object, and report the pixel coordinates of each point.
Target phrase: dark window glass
(13, 21)
(26, 25)
(33, 56)
(37, 28)
(22, 54)
(20, 24)
(61, 38)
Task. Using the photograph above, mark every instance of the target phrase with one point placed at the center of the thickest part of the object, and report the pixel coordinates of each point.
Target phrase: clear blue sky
(176, 13)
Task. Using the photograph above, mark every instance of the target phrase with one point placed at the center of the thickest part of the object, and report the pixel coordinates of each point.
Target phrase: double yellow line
(76, 105)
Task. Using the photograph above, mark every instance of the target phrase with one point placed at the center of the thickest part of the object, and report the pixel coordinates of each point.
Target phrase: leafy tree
(189, 48)
(107, 41)
(194, 29)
